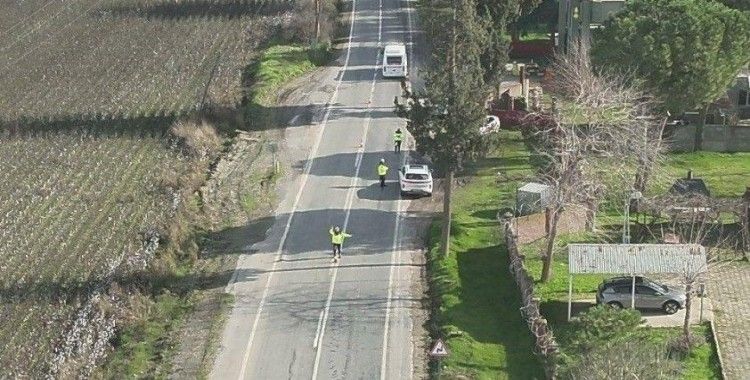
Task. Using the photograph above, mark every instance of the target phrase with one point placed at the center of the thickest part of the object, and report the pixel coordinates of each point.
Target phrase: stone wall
(545, 344)
(716, 138)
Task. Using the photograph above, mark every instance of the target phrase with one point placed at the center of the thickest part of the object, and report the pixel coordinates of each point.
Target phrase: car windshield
(417, 176)
(393, 60)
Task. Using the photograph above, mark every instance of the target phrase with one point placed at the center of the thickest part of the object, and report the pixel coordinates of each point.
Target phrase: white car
(415, 179)
(491, 125)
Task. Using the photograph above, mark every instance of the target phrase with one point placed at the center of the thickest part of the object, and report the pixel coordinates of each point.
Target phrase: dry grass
(197, 138)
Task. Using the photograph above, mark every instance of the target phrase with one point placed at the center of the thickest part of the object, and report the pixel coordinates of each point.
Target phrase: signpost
(439, 351)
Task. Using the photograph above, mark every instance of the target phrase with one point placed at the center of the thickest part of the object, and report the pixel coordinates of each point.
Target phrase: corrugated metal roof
(636, 258)
(533, 187)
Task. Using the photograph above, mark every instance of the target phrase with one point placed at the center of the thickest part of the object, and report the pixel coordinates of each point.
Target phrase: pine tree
(446, 117)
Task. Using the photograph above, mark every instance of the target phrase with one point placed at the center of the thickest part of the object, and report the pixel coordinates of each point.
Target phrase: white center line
(305, 175)
(350, 200)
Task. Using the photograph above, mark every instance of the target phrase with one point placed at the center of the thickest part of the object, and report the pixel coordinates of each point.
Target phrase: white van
(394, 61)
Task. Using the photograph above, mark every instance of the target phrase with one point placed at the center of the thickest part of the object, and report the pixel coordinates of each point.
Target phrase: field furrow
(100, 196)
(120, 58)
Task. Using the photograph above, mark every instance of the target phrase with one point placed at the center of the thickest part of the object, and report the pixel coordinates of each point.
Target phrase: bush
(628, 359)
(197, 139)
(511, 119)
(680, 347)
(602, 324)
(299, 26)
(319, 53)
(519, 104)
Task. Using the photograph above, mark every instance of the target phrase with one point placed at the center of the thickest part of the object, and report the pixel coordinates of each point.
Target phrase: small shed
(633, 260)
(532, 198)
(690, 186)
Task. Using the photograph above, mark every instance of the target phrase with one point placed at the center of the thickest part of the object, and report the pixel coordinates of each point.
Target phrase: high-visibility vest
(338, 238)
(398, 136)
(382, 169)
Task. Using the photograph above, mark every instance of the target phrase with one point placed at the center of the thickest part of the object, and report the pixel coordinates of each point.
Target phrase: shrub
(511, 119)
(300, 25)
(680, 347)
(519, 104)
(319, 53)
(197, 139)
(628, 359)
(602, 324)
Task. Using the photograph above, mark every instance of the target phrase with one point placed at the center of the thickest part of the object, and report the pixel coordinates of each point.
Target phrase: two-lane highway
(297, 314)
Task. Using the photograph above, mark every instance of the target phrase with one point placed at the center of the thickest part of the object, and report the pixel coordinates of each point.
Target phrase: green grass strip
(479, 302)
(278, 65)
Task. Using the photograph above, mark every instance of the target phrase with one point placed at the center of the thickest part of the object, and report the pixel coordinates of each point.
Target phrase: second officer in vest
(397, 138)
(382, 171)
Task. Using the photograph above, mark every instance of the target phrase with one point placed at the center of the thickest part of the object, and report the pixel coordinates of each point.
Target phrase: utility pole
(317, 21)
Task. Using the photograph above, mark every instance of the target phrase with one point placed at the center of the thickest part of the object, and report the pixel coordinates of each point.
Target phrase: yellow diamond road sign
(439, 349)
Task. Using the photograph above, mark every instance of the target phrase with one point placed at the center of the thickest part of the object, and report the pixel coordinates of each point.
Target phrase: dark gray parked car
(616, 292)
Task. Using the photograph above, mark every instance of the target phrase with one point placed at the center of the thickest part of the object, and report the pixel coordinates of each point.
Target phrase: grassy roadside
(477, 299)
(277, 65)
(146, 346)
(140, 342)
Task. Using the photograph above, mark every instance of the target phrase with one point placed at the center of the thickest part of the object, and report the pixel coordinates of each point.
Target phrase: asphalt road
(297, 315)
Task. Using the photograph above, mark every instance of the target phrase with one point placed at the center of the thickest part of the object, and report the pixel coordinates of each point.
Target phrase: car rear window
(393, 60)
(415, 176)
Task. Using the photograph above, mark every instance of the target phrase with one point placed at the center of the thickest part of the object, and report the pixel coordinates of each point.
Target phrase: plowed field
(126, 58)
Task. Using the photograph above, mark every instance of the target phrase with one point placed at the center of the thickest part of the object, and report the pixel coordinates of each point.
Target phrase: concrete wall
(716, 138)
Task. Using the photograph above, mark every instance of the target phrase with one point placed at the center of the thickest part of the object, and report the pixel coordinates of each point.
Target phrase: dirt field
(87, 59)
(75, 206)
(88, 90)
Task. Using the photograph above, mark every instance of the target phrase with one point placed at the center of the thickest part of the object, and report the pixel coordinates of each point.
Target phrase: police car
(415, 179)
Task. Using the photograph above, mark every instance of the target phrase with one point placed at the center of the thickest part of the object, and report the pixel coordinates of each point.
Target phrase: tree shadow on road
(307, 241)
(376, 193)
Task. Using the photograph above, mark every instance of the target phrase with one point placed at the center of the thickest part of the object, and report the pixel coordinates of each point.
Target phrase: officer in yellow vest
(382, 171)
(397, 138)
(337, 239)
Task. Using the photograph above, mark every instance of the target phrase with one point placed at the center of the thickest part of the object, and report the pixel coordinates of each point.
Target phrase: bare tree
(698, 220)
(312, 21)
(598, 134)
